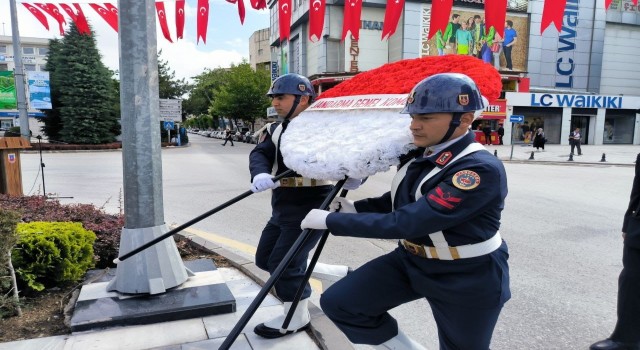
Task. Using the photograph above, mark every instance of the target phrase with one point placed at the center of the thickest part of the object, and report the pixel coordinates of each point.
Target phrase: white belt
(443, 251)
(302, 182)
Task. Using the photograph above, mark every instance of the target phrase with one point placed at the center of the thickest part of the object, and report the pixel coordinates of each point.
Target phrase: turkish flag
(440, 13)
(284, 18)
(316, 19)
(109, 14)
(203, 20)
(37, 14)
(83, 27)
(241, 10)
(162, 18)
(179, 18)
(391, 17)
(607, 3)
(495, 14)
(351, 21)
(53, 11)
(552, 12)
(259, 4)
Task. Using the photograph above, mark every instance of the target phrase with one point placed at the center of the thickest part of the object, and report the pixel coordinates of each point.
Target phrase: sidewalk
(204, 332)
(591, 154)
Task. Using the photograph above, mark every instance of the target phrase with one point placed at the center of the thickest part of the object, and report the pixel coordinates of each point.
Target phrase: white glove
(262, 182)
(352, 184)
(342, 205)
(316, 219)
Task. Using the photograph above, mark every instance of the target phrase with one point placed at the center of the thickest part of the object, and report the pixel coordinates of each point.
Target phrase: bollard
(531, 157)
(570, 157)
(495, 153)
(604, 158)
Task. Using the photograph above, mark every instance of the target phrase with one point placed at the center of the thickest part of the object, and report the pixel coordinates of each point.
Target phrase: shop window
(28, 51)
(5, 124)
(619, 126)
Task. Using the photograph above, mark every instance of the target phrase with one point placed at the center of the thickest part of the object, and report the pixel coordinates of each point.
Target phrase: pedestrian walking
(539, 140)
(575, 139)
(228, 137)
(444, 206)
(626, 334)
(500, 133)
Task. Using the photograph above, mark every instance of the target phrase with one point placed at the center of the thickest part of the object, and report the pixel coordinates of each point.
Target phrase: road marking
(316, 285)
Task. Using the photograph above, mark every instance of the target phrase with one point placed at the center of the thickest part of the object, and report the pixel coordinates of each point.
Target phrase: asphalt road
(562, 224)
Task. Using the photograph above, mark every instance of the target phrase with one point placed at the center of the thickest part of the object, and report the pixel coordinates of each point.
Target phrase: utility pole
(158, 268)
(19, 73)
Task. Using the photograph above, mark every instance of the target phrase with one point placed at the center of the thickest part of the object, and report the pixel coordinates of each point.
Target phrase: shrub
(8, 293)
(52, 253)
(107, 227)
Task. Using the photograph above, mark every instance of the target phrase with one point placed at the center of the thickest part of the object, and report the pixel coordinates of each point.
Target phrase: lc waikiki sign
(572, 100)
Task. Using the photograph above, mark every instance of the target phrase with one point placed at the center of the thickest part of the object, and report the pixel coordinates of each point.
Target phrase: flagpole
(19, 73)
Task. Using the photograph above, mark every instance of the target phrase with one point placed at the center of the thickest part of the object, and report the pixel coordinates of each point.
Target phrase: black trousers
(507, 56)
(628, 326)
(576, 144)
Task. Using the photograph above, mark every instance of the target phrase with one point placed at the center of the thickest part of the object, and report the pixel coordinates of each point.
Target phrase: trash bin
(10, 170)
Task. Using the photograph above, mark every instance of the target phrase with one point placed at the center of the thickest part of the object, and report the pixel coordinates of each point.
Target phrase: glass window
(30, 67)
(619, 126)
(5, 124)
(4, 67)
(3, 48)
(43, 51)
(28, 51)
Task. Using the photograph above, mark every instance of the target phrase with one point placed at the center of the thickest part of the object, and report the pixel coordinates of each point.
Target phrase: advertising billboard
(467, 13)
(39, 90)
(7, 91)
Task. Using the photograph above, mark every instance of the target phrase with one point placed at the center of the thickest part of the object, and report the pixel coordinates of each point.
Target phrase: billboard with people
(466, 35)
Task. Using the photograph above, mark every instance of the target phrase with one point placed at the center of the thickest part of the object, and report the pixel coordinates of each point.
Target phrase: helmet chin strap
(455, 123)
(296, 102)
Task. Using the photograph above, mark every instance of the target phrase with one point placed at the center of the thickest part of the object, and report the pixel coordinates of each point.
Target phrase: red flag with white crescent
(391, 17)
(316, 19)
(83, 27)
(259, 4)
(37, 14)
(495, 14)
(607, 3)
(110, 16)
(241, 10)
(351, 22)
(203, 20)
(553, 12)
(162, 18)
(440, 12)
(179, 18)
(81, 23)
(284, 18)
(54, 13)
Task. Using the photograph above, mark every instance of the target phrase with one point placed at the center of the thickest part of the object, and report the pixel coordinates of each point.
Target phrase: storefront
(493, 116)
(602, 119)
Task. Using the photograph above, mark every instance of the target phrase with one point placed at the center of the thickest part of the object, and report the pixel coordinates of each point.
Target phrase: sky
(227, 38)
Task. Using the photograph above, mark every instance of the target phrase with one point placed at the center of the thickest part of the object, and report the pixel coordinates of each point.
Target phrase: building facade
(259, 50)
(34, 59)
(588, 68)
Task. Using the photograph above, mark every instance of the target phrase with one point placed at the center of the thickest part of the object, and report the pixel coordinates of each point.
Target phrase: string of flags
(495, 15)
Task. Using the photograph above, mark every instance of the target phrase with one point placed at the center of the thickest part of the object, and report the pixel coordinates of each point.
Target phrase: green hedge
(52, 253)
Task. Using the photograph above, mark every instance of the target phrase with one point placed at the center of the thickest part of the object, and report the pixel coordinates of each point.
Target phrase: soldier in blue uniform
(444, 206)
(626, 335)
(292, 198)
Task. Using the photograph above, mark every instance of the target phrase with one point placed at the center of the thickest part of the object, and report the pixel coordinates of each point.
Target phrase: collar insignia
(444, 158)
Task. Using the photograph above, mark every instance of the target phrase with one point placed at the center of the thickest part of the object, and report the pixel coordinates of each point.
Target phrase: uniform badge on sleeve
(466, 179)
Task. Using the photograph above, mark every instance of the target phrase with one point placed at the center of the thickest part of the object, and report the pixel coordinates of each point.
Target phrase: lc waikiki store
(602, 119)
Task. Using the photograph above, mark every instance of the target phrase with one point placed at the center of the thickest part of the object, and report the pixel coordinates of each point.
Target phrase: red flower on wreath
(400, 77)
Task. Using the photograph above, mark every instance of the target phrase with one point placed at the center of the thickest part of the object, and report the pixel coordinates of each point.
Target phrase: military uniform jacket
(631, 222)
(464, 200)
(288, 203)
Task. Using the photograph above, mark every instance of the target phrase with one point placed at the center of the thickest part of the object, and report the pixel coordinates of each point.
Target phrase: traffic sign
(168, 124)
(516, 118)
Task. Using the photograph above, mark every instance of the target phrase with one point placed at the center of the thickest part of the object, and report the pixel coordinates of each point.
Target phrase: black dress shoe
(609, 344)
(272, 333)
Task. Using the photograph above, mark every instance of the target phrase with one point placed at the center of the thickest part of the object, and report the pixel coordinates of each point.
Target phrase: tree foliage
(169, 86)
(202, 92)
(83, 93)
(243, 95)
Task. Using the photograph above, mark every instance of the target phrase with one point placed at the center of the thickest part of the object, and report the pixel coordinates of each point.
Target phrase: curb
(326, 335)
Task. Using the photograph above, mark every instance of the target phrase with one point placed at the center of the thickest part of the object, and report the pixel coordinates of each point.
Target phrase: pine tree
(52, 122)
(87, 94)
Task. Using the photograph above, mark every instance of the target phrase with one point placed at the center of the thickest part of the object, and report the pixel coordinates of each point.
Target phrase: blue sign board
(516, 119)
(274, 70)
(168, 124)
